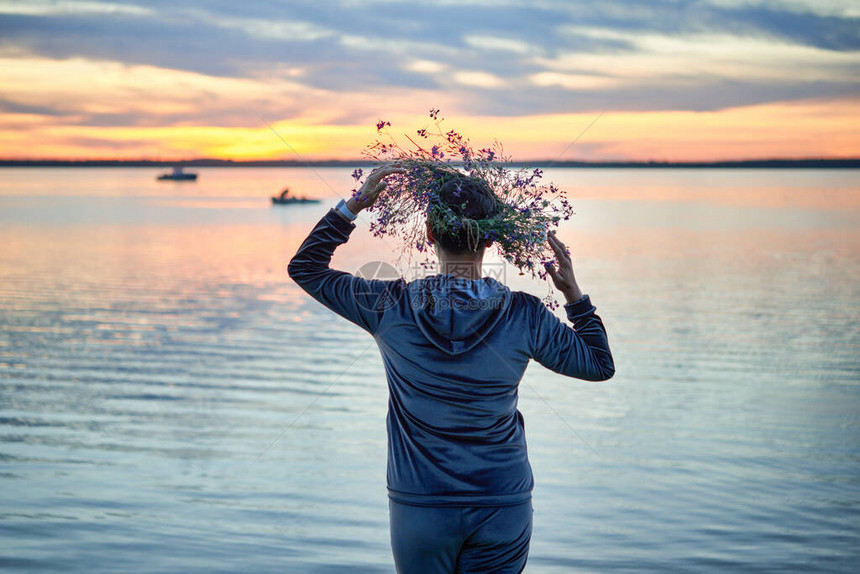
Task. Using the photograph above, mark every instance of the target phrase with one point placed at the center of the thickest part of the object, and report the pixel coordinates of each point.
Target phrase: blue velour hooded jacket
(454, 352)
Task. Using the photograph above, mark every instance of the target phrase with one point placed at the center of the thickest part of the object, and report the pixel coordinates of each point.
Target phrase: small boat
(288, 200)
(177, 175)
(283, 199)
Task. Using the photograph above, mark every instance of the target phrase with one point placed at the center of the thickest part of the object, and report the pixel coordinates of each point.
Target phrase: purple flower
(356, 175)
(381, 124)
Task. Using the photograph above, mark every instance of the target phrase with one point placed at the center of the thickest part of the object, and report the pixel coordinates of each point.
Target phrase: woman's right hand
(372, 187)
(563, 277)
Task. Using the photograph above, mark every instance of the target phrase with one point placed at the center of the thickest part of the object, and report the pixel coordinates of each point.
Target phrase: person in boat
(284, 194)
(455, 346)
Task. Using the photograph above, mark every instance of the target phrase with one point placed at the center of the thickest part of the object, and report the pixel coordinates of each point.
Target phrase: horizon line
(542, 163)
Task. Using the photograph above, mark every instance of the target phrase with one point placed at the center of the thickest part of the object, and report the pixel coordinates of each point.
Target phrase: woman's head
(459, 201)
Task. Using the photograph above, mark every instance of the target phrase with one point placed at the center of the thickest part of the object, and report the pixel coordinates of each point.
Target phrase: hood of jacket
(454, 313)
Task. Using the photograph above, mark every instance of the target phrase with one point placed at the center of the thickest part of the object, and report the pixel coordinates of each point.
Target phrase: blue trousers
(461, 540)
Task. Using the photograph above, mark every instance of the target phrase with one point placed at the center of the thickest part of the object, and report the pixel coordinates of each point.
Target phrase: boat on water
(177, 175)
(286, 199)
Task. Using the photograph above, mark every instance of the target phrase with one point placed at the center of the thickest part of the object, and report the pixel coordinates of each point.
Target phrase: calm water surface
(171, 402)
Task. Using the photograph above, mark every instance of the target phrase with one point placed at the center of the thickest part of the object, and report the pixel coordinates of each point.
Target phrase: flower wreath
(525, 211)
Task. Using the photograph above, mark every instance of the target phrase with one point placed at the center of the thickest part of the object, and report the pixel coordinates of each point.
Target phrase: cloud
(288, 31)
(101, 93)
(496, 44)
(841, 8)
(693, 58)
(345, 45)
(160, 63)
(478, 79)
(68, 7)
(426, 67)
(575, 82)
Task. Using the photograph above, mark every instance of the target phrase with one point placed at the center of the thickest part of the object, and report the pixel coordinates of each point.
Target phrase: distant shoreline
(203, 162)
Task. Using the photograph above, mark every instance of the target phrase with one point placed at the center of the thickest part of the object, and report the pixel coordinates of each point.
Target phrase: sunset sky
(675, 80)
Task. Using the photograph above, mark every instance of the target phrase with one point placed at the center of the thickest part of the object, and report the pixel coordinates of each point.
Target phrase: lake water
(171, 402)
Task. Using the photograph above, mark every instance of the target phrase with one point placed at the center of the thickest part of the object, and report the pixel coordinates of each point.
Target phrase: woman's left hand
(371, 188)
(563, 277)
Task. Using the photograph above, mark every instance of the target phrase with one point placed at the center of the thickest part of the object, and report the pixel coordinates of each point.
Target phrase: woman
(455, 346)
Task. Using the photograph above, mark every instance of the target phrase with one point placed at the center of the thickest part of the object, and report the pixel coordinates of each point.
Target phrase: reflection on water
(782, 189)
(170, 401)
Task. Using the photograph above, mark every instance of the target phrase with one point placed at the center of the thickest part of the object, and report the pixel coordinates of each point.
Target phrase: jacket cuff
(339, 222)
(580, 308)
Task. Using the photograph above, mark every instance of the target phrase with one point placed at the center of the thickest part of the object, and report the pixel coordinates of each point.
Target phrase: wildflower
(488, 154)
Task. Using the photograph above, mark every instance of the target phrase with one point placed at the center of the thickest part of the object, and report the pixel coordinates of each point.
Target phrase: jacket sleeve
(582, 351)
(360, 301)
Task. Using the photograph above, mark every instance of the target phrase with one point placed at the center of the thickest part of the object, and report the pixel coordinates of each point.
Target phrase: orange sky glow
(800, 129)
(667, 96)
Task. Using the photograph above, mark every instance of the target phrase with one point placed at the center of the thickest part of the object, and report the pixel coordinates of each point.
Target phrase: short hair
(464, 197)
